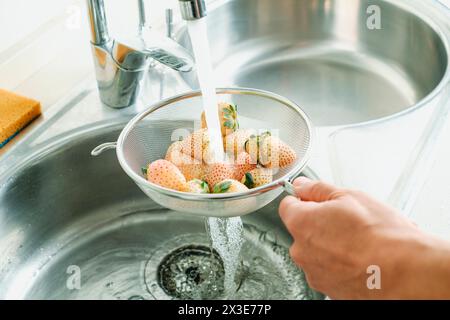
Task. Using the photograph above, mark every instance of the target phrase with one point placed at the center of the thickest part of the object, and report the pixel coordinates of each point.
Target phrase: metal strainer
(148, 135)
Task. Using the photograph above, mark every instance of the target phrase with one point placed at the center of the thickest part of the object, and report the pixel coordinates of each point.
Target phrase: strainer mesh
(148, 136)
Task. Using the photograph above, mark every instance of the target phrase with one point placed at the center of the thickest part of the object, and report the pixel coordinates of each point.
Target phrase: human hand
(339, 234)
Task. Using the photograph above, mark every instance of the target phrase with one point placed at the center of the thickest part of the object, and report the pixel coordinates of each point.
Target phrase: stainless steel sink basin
(321, 54)
(72, 227)
(75, 227)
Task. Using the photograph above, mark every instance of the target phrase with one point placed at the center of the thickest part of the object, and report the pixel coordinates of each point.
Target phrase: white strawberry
(229, 186)
(228, 118)
(197, 186)
(234, 143)
(270, 151)
(191, 168)
(165, 174)
(243, 164)
(257, 178)
(216, 172)
(197, 145)
(274, 153)
(251, 146)
(174, 151)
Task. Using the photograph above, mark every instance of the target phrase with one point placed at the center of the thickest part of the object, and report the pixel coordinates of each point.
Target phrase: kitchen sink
(323, 55)
(76, 227)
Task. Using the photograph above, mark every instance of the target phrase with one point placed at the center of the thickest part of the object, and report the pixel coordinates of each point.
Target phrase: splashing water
(226, 236)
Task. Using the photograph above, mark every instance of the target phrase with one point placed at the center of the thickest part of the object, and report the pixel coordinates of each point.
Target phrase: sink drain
(185, 268)
(192, 272)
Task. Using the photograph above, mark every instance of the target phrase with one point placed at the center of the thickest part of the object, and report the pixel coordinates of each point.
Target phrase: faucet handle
(168, 52)
(192, 9)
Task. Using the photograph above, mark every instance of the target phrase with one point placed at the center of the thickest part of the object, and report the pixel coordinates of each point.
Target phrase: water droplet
(258, 260)
(154, 286)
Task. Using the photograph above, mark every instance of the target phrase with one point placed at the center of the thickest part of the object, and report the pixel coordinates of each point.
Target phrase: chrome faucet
(120, 65)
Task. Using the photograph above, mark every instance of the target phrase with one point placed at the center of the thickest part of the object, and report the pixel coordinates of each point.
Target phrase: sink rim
(50, 145)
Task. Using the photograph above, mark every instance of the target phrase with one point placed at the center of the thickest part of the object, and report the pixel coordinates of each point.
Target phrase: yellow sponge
(16, 113)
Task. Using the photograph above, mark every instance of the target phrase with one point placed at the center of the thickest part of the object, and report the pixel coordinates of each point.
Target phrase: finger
(289, 210)
(292, 205)
(317, 191)
(293, 211)
(287, 202)
(297, 182)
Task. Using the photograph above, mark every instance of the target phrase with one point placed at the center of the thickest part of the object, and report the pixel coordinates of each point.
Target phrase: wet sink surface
(66, 217)
(76, 227)
(322, 55)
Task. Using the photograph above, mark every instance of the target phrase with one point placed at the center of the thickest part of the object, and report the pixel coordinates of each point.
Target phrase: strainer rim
(295, 171)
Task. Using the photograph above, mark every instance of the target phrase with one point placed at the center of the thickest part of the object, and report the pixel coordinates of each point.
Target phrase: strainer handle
(103, 147)
(290, 189)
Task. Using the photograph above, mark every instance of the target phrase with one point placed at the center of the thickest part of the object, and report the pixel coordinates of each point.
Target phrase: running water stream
(199, 38)
(227, 237)
(226, 234)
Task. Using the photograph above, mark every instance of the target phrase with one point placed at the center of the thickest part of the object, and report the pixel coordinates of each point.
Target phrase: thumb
(316, 191)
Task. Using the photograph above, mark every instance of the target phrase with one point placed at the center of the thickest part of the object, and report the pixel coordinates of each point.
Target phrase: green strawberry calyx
(249, 181)
(204, 186)
(222, 187)
(230, 116)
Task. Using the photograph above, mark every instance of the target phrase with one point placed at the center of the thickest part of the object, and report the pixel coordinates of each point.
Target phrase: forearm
(424, 270)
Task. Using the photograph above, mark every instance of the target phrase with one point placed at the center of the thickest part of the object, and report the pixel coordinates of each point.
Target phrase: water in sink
(117, 263)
